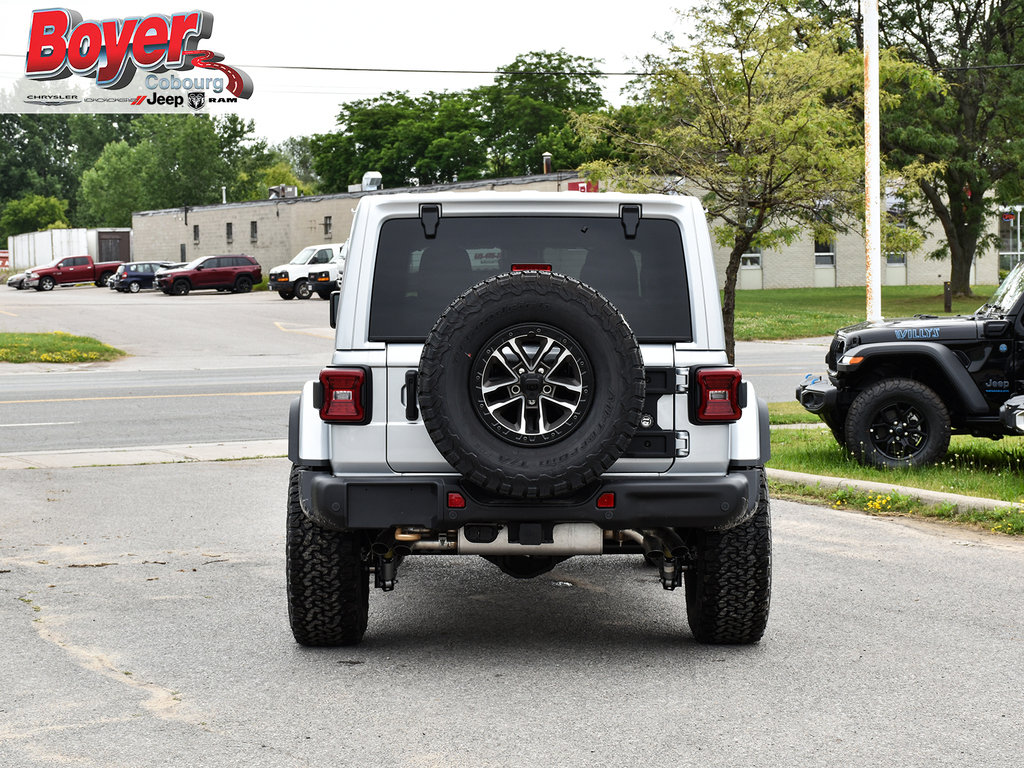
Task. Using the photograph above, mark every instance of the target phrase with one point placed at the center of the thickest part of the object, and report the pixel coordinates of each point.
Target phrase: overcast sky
(390, 34)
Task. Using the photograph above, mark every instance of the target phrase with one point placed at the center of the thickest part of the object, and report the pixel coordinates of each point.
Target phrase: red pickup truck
(70, 269)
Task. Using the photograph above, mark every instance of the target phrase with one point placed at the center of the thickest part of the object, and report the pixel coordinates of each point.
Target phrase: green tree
(32, 213)
(89, 134)
(969, 132)
(113, 187)
(756, 113)
(183, 163)
(35, 157)
(169, 161)
(281, 172)
(530, 104)
(428, 139)
(247, 157)
(298, 152)
(496, 130)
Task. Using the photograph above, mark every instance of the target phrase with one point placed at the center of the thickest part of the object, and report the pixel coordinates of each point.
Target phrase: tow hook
(387, 556)
(671, 575)
(385, 573)
(666, 549)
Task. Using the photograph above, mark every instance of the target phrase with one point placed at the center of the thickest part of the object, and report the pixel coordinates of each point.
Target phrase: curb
(959, 501)
(259, 449)
(158, 454)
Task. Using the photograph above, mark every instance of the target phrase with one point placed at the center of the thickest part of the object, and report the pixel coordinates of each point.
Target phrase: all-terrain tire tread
(328, 587)
(728, 590)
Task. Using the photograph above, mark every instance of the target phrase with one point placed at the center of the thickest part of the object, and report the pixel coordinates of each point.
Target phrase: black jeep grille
(835, 352)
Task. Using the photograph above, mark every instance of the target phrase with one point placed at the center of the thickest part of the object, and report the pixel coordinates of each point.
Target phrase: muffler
(566, 539)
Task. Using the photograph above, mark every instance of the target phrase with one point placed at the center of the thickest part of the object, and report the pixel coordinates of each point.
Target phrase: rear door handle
(412, 413)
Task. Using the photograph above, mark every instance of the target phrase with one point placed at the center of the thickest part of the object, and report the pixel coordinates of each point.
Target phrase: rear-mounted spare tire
(531, 384)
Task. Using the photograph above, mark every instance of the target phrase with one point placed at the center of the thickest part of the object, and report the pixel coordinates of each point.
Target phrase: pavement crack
(161, 702)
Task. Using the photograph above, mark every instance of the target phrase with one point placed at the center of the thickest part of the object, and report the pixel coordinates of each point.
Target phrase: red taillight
(345, 395)
(533, 267)
(718, 395)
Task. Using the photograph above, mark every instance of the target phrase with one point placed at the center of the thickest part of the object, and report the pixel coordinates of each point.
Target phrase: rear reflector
(456, 500)
(718, 395)
(345, 395)
(606, 501)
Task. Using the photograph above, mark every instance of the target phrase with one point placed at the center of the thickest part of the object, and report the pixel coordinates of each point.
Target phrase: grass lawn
(973, 467)
(56, 347)
(790, 412)
(795, 313)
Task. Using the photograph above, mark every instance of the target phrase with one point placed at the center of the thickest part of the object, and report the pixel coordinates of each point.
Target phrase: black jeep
(897, 389)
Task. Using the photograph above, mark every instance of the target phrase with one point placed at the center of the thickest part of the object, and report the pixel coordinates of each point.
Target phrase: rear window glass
(416, 277)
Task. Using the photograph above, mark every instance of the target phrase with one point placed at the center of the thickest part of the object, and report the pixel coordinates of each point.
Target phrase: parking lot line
(150, 397)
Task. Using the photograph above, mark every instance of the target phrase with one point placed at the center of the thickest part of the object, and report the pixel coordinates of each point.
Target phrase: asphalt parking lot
(143, 622)
(143, 617)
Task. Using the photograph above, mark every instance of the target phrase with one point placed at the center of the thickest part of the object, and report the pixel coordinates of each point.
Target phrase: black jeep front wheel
(328, 585)
(897, 423)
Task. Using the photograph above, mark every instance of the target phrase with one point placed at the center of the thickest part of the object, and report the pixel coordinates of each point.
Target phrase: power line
(574, 73)
(547, 73)
(588, 73)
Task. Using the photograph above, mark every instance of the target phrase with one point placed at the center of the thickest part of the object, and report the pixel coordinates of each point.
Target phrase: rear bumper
(341, 503)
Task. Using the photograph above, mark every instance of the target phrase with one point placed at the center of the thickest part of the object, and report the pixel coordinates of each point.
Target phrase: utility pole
(872, 165)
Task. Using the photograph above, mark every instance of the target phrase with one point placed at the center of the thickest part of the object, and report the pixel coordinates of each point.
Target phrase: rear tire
(133, 287)
(328, 585)
(728, 589)
(243, 284)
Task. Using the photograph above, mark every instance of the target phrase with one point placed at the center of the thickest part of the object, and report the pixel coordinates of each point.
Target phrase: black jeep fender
(961, 385)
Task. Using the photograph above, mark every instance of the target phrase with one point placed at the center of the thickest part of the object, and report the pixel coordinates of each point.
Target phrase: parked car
(234, 272)
(17, 280)
(70, 270)
(294, 279)
(136, 275)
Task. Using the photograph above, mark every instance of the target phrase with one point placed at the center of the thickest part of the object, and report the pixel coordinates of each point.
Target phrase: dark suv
(898, 388)
(224, 273)
(133, 277)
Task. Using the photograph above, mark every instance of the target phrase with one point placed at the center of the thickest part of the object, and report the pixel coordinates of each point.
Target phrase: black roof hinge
(430, 216)
(630, 215)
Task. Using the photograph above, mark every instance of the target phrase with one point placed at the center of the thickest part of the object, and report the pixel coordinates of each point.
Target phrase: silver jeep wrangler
(528, 377)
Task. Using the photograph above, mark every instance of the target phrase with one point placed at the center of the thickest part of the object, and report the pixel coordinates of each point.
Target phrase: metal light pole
(1016, 218)
(872, 170)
